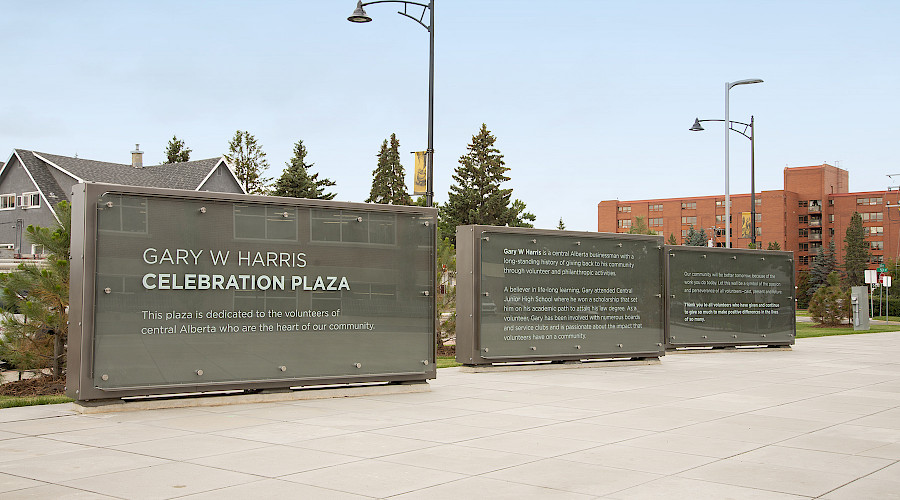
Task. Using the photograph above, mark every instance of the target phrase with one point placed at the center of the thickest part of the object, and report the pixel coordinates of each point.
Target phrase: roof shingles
(185, 175)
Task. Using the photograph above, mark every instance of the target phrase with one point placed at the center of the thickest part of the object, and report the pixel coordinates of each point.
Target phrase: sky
(588, 100)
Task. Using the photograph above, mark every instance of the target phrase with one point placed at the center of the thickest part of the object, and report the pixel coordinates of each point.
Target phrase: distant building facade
(33, 183)
(814, 207)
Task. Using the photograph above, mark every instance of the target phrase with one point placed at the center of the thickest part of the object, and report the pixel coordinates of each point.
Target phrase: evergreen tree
(696, 238)
(671, 240)
(176, 151)
(803, 294)
(561, 226)
(388, 178)
(773, 245)
(856, 252)
(36, 336)
(831, 302)
(296, 180)
(248, 160)
(824, 265)
(476, 196)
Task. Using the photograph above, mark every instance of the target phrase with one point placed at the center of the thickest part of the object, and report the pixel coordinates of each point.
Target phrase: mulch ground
(38, 386)
(446, 350)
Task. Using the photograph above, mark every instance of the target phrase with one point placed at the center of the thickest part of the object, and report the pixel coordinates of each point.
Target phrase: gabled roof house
(33, 183)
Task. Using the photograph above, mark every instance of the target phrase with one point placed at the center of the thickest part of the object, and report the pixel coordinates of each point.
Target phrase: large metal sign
(176, 291)
(529, 294)
(729, 297)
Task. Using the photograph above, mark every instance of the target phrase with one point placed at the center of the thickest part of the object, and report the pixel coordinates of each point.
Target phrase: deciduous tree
(640, 227)
(176, 151)
(248, 160)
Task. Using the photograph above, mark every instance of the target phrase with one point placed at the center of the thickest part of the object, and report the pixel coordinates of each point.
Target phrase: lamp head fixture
(744, 82)
(696, 127)
(359, 15)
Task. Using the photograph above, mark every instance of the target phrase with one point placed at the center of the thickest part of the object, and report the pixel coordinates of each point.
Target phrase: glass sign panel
(205, 291)
(730, 297)
(544, 296)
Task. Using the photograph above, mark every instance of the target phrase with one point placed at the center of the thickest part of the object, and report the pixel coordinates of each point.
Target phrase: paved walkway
(821, 421)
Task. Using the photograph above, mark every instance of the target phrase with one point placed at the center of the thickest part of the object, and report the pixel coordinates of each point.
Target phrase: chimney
(137, 157)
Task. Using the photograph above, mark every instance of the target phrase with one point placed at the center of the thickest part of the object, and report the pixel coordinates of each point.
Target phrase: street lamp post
(748, 133)
(728, 86)
(359, 16)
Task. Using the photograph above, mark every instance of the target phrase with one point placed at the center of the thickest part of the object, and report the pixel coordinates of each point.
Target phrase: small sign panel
(729, 297)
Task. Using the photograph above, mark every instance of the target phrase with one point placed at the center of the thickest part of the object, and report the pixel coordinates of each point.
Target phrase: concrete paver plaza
(821, 421)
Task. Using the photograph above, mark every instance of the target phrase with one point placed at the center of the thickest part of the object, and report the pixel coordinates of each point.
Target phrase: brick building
(814, 207)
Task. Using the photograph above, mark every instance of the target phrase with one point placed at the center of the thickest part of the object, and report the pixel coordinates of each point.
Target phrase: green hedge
(893, 306)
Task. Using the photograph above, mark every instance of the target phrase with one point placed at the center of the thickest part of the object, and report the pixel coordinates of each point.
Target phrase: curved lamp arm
(360, 16)
(731, 125)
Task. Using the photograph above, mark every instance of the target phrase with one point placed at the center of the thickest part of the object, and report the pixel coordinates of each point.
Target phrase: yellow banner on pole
(420, 177)
(745, 224)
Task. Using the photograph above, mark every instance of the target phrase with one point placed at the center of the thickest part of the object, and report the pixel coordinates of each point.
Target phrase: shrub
(830, 304)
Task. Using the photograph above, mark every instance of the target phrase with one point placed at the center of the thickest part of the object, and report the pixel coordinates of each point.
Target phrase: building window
(803, 219)
(830, 203)
(877, 259)
(831, 218)
(30, 200)
(831, 231)
(876, 229)
(625, 210)
(815, 206)
(803, 260)
(802, 203)
(872, 216)
(656, 208)
(815, 245)
(868, 201)
(624, 223)
(688, 205)
(720, 231)
(656, 222)
(803, 233)
(876, 245)
(720, 218)
(758, 200)
(7, 201)
(720, 203)
(684, 233)
(689, 220)
(804, 247)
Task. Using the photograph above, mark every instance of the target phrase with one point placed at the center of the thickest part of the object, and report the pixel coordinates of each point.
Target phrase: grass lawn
(806, 330)
(446, 362)
(12, 401)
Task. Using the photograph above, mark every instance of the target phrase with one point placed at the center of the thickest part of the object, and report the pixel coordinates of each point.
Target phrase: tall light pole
(359, 16)
(747, 127)
(728, 86)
